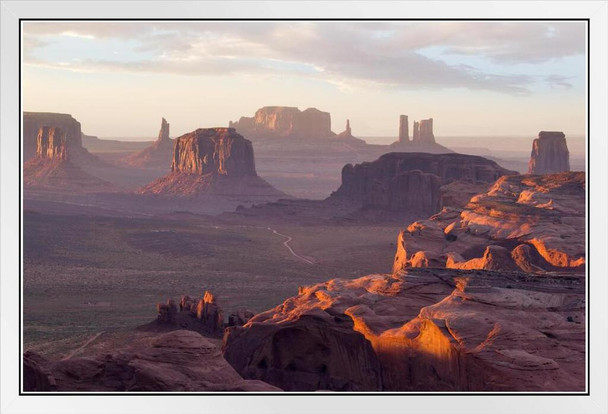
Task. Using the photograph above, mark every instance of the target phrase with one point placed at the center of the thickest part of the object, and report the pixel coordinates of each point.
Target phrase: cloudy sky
(473, 78)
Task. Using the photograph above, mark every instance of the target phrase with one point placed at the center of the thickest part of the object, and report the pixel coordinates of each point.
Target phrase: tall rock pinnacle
(404, 133)
(549, 153)
(163, 134)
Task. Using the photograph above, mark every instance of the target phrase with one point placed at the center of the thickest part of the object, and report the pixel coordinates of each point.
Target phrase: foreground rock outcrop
(157, 155)
(181, 360)
(530, 223)
(215, 161)
(412, 181)
(285, 122)
(549, 154)
(420, 330)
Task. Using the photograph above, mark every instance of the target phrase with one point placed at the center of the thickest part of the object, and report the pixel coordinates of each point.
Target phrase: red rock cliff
(398, 181)
(33, 121)
(220, 151)
(51, 143)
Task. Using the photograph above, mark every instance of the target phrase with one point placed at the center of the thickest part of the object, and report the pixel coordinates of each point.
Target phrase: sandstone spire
(416, 133)
(348, 127)
(163, 134)
(549, 153)
(404, 134)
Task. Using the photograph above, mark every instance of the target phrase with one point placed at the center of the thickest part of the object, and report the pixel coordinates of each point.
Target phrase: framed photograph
(264, 206)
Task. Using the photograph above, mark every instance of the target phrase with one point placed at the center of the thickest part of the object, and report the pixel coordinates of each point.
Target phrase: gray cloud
(351, 53)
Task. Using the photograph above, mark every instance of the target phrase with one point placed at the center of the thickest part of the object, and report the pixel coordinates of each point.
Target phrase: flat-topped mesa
(219, 151)
(163, 134)
(33, 121)
(411, 181)
(285, 122)
(51, 144)
(404, 133)
(549, 154)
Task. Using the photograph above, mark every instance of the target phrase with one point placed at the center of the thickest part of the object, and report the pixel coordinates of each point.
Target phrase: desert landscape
(275, 253)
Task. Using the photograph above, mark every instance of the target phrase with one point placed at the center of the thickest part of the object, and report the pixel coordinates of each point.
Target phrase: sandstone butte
(549, 154)
(33, 121)
(53, 167)
(531, 223)
(285, 122)
(215, 161)
(156, 155)
(417, 182)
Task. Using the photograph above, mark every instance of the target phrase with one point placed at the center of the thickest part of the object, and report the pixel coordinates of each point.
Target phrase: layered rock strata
(525, 223)
(420, 330)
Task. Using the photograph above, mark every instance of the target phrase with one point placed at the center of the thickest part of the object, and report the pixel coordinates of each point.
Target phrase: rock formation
(53, 168)
(549, 154)
(347, 137)
(420, 330)
(203, 315)
(423, 139)
(285, 122)
(212, 161)
(402, 181)
(526, 223)
(404, 132)
(176, 361)
(240, 317)
(158, 155)
(218, 151)
(51, 144)
(33, 121)
(425, 133)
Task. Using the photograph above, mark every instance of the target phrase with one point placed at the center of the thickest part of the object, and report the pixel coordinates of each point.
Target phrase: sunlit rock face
(181, 360)
(428, 330)
(212, 161)
(33, 121)
(523, 222)
(55, 166)
(549, 154)
(51, 143)
(411, 181)
(285, 122)
(219, 151)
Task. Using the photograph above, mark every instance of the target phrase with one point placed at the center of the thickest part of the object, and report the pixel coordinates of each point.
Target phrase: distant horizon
(472, 77)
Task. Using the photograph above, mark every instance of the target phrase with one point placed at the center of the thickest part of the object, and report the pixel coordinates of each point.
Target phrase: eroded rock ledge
(420, 330)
